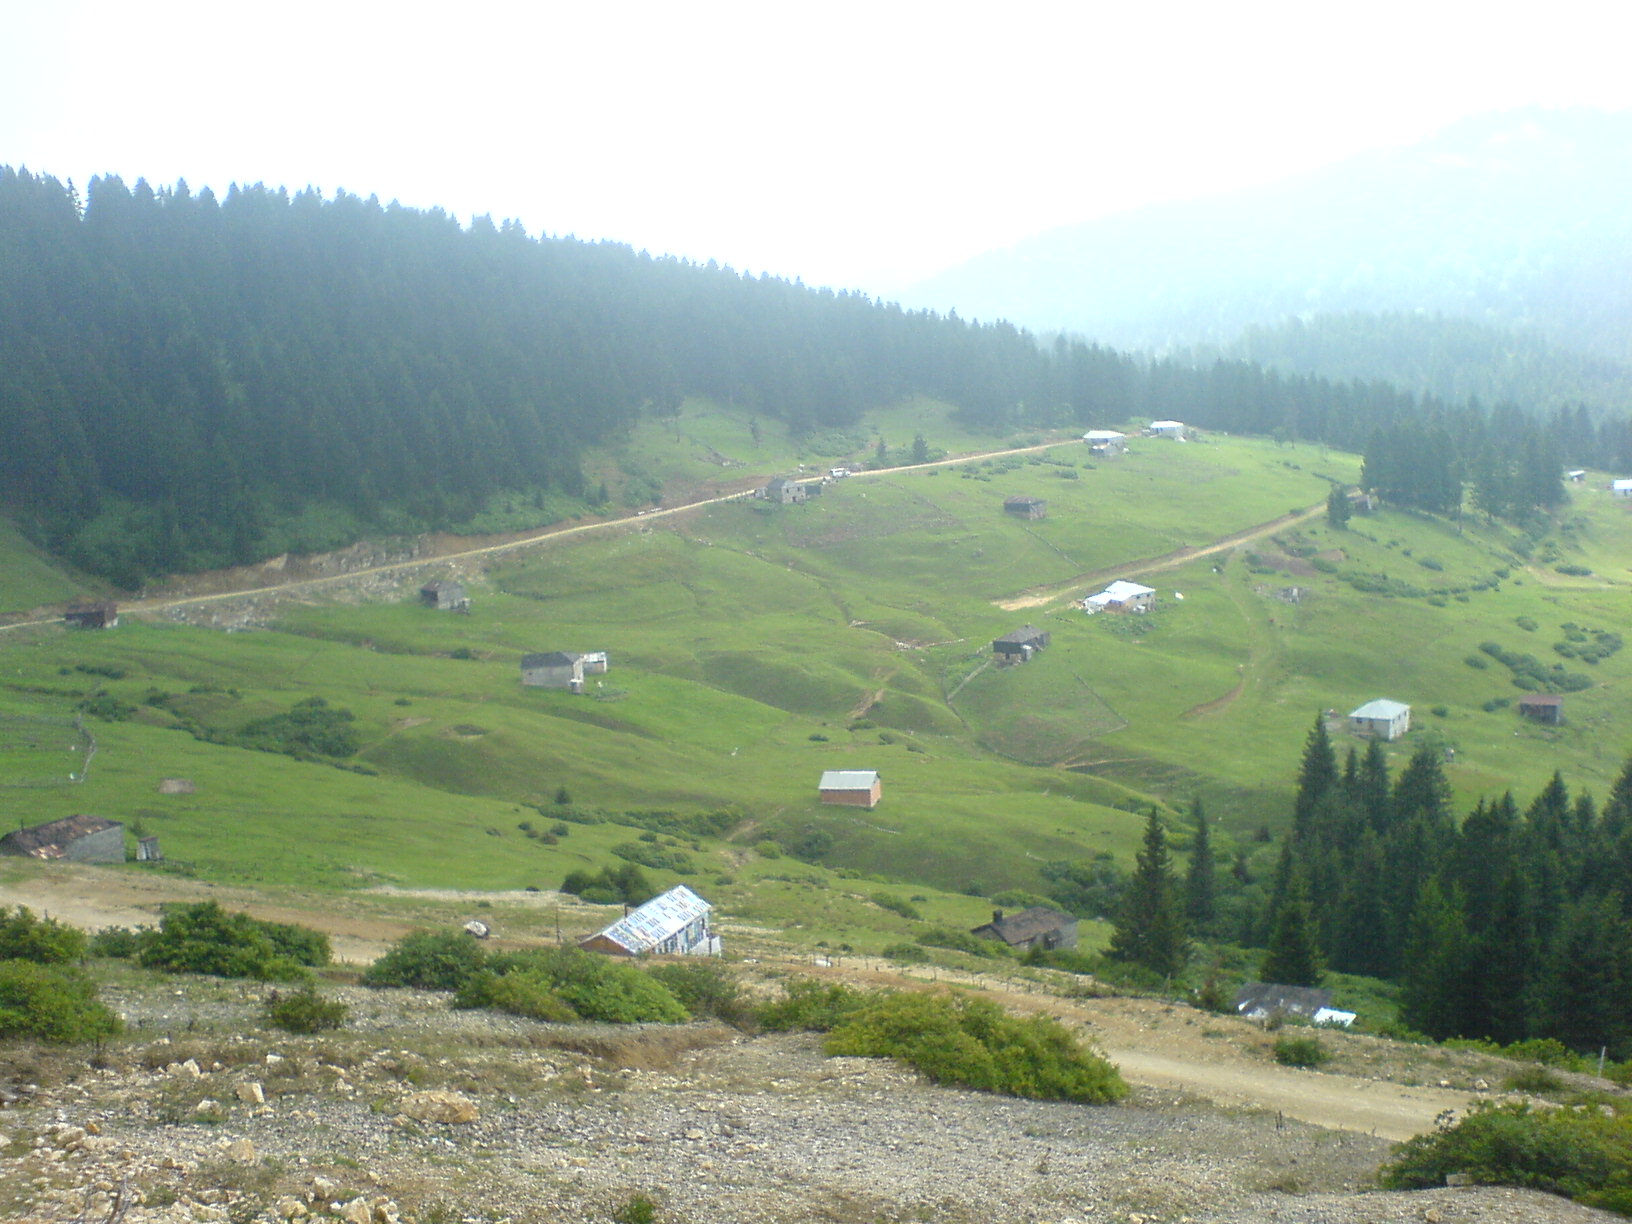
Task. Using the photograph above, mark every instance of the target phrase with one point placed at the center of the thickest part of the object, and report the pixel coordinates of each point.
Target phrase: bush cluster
(810, 1006)
(204, 938)
(53, 1004)
(626, 883)
(427, 960)
(564, 984)
(1300, 1050)
(976, 1044)
(45, 941)
(1581, 1154)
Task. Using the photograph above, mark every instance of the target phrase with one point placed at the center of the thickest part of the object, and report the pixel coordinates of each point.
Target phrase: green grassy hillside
(754, 646)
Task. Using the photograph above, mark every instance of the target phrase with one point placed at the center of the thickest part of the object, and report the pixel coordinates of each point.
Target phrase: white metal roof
(660, 918)
(1621, 486)
(1167, 424)
(1121, 590)
(1102, 435)
(848, 779)
(1381, 708)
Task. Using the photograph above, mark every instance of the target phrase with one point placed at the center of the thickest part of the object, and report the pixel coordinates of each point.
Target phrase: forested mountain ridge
(187, 382)
(1513, 222)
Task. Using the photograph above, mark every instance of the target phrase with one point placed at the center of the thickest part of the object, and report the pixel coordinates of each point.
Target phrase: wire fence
(40, 750)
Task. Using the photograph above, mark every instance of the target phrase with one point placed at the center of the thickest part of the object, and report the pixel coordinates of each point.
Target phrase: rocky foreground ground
(419, 1114)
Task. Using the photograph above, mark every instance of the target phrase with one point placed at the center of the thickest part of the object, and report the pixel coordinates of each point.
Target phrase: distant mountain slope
(1514, 221)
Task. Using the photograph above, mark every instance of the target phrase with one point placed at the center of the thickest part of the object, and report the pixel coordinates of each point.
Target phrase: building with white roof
(673, 923)
(854, 787)
(1121, 596)
(1382, 719)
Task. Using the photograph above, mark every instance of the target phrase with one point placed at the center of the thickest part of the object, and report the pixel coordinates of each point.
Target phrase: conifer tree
(1150, 929)
(1293, 958)
(1200, 882)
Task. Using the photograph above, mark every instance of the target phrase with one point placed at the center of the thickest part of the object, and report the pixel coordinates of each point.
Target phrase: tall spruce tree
(1200, 881)
(1150, 929)
(1293, 958)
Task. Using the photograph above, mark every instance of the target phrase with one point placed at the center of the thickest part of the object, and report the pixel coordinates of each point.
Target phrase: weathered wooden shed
(1543, 708)
(1019, 646)
(445, 595)
(1026, 507)
(104, 615)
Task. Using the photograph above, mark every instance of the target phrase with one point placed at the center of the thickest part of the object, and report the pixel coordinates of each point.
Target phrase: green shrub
(959, 941)
(1583, 1155)
(45, 941)
(117, 943)
(896, 905)
(810, 1006)
(305, 1011)
(204, 938)
(706, 988)
(427, 960)
(976, 1044)
(310, 727)
(592, 987)
(51, 1004)
(520, 994)
(636, 1209)
(626, 883)
(1299, 1050)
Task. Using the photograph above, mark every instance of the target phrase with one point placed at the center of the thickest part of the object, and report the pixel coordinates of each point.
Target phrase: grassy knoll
(754, 646)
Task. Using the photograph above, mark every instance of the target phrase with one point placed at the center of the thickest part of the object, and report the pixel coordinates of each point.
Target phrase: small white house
(1121, 596)
(1168, 429)
(1621, 488)
(1381, 719)
(1105, 441)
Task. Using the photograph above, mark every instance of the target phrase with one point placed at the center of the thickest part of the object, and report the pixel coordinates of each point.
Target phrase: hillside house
(851, 787)
(1267, 1001)
(445, 596)
(1545, 708)
(785, 492)
(1037, 927)
(1026, 507)
(93, 615)
(1576, 475)
(1168, 429)
(1105, 442)
(81, 839)
(1381, 719)
(1621, 488)
(674, 923)
(1019, 646)
(563, 669)
(1121, 596)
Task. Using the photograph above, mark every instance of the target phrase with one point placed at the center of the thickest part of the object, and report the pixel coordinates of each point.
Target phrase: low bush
(809, 1006)
(706, 988)
(117, 943)
(305, 1011)
(1300, 1050)
(1584, 1155)
(427, 960)
(590, 987)
(204, 938)
(45, 941)
(626, 883)
(896, 905)
(976, 1044)
(52, 1004)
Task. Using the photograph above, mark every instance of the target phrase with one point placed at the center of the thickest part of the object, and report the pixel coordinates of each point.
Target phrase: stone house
(103, 615)
(1026, 507)
(563, 669)
(785, 492)
(1037, 927)
(445, 595)
(81, 839)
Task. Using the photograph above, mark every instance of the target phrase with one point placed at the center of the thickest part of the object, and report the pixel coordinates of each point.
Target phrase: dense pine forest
(187, 381)
(1512, 923)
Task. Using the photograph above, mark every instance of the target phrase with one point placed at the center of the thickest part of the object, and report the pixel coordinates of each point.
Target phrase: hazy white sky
(851, 144)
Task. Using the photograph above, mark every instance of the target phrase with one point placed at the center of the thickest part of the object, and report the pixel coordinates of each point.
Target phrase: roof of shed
(1027, 925)
(848, 779)
(553, 658)
(1269, 997)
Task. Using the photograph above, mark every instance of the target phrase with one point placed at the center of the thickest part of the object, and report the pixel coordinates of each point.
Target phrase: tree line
(186, 380)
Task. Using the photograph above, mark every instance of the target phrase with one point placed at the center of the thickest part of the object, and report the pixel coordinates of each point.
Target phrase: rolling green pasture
(754, 646)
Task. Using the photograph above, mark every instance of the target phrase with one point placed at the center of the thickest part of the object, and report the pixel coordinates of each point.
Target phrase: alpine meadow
(366, 564)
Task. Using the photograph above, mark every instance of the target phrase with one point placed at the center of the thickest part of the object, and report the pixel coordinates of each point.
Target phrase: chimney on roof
(997, 915)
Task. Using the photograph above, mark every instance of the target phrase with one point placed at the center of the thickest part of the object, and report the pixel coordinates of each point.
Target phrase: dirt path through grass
(1036, 597)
